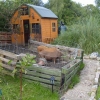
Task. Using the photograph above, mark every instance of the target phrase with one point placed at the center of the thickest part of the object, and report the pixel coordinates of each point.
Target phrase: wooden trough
(42, 74)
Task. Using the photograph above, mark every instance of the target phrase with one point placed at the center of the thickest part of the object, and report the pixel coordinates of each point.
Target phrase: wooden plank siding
(47, 29)
(36, 19)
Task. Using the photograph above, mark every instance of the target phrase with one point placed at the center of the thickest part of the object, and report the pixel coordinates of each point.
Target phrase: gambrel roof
(42, 11)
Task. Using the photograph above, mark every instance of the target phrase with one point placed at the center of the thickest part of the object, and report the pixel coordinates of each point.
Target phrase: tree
(71, 12)
(22, 65)
(97, 3)
(56, 6)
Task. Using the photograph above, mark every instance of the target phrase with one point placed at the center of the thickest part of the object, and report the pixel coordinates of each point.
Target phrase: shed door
(26, 30)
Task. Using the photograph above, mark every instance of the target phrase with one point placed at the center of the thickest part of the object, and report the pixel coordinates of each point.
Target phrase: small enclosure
(62, 71)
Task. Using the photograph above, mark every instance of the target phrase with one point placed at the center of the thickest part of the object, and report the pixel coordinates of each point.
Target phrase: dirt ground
(83, 89)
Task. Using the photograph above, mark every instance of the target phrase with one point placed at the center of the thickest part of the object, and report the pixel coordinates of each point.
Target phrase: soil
(82, 90)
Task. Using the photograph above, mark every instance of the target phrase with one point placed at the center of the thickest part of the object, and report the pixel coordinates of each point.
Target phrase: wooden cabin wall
(17, 37)
(15, 19)
(34, 18)
(47, 29)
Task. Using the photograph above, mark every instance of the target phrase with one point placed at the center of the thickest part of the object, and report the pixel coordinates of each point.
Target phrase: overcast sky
(83, 2)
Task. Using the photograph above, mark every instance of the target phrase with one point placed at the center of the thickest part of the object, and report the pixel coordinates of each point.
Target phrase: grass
(84, 34)
(31, 91)
(76, 77)
(98, 93)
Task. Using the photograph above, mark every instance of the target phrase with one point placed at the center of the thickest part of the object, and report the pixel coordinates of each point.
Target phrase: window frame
(24, 11)
(36, 28)
(53, 27)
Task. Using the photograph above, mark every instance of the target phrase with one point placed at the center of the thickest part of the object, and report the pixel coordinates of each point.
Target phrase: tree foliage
(97, 3)
(70, 12)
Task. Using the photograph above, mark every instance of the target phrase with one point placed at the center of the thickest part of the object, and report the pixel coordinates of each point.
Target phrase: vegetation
(31, 91)
(67, 11)
(76, 78)
(83, 24)
(98, 93)
(84, 34)
(24, 63)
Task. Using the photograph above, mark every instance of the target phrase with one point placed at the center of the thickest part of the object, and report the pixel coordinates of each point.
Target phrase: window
(24, 11)
(36, 29)
(16, 28)
(53, 27)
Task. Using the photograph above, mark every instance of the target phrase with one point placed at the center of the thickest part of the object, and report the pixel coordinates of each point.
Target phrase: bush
(84, 34)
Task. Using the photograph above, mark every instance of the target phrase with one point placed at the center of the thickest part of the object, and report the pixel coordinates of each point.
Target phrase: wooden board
(46, 70)
(8, 67)
(42, 75)
(66, 70)
(8, 54)
(7, 60)
(41, 80)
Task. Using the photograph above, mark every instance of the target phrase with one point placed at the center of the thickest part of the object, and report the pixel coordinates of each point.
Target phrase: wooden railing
(5, 37)
(6, 57)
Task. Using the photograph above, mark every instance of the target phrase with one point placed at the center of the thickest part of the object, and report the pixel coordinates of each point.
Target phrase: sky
(83, 2)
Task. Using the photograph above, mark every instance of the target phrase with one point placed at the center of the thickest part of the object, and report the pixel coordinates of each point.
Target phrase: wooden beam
(46, 70)
(7, 60)
(8, 54)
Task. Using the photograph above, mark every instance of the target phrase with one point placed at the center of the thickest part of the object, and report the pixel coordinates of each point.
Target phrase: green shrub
(98, 93)
(85, 34)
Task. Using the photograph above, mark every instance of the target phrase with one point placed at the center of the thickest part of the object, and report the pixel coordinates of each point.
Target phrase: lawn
(31, 91)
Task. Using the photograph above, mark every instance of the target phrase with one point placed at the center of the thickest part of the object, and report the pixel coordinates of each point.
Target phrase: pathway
(83, 89)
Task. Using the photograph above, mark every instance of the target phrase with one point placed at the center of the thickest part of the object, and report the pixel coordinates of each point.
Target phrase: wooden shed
(33, 22)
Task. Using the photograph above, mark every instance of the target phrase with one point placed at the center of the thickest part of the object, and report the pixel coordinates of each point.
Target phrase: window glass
(53, 27)
(36, 28)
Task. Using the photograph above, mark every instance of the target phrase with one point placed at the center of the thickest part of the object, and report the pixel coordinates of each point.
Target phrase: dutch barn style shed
(33, 22)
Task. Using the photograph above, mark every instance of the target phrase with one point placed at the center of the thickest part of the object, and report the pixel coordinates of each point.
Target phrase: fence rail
(5, 37)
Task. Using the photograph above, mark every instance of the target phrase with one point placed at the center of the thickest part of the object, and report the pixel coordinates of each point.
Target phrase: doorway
(26, 31)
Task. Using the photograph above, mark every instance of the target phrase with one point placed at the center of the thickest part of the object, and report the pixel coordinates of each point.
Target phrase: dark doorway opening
(26, 31)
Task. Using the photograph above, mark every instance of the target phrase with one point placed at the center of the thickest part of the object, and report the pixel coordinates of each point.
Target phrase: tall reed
(85, 34)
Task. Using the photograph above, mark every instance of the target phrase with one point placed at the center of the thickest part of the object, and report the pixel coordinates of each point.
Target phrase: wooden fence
(5, 37)
(43, 74)
(5, 58)
(62, 76)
